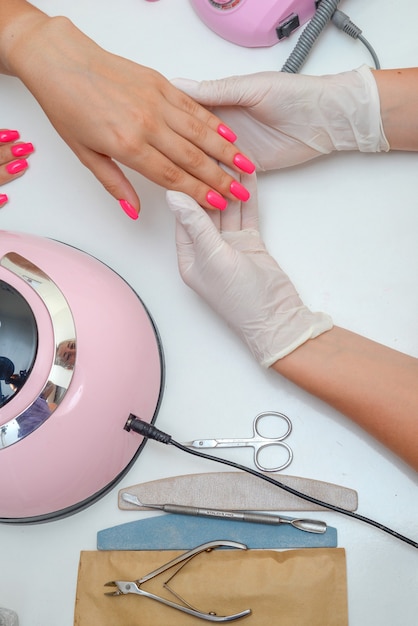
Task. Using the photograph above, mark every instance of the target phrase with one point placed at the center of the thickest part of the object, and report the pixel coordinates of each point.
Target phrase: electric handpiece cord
(151, 432)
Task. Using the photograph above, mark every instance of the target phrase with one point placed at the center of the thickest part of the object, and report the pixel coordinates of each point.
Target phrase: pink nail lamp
(78, 354)
(254, 23)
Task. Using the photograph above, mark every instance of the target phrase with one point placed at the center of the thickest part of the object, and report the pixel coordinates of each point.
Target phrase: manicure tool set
(126, 535)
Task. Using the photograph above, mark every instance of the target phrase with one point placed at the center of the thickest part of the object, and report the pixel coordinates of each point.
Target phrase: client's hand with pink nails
(112, 111)
(13, 158)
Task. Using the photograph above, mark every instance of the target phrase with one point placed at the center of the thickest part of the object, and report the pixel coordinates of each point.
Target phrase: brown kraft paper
(305, 587)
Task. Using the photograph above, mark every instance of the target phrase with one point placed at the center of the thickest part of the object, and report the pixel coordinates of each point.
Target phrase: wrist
(398, 104)
(19, 21)
(43, 49)
(352, 105)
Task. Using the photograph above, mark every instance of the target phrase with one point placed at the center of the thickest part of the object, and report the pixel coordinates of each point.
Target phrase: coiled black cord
(151, 432)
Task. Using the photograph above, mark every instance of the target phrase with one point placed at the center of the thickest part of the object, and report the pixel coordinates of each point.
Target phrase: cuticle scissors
(258, 441)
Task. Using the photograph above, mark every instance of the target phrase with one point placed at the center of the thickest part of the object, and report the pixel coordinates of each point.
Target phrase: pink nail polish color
(239, 191)
(129, 209)
(17, 166)
(226, 133)
(22, 149)
(3, 199)
(216, 200)
(8, 135)
(244, 164)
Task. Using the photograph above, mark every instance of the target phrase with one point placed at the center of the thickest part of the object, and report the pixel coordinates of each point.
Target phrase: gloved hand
(223, 258)
(284, 119)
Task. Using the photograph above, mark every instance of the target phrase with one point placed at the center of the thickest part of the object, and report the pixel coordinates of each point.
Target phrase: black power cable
(151, 432)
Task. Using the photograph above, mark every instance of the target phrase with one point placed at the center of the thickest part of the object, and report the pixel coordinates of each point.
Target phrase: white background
(345, 230)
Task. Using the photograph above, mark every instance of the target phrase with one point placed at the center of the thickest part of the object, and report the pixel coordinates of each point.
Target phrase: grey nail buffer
(240, 491)
(178, 532)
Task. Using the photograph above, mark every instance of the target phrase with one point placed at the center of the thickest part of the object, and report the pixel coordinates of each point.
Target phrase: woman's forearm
(398, 91)
(373, 385)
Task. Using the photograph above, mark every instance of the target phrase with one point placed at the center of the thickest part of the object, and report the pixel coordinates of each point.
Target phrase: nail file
(178, 532)
(239, 491)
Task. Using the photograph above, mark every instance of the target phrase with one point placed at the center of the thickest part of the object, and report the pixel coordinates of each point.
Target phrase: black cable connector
(146, 430)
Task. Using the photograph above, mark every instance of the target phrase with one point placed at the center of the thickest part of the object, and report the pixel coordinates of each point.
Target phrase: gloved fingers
(249, 209)
(241, 215)
(246, 91)
(182, 238)
(194, 89)
(196, 223)
(185, 250)
(216, 217)
(230, 219)
(204, 233)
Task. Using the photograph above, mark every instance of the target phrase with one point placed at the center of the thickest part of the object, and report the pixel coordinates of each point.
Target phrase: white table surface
(345, 230)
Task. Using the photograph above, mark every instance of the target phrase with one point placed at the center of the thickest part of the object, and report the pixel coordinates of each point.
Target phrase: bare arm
(398, 92)
(373, 385)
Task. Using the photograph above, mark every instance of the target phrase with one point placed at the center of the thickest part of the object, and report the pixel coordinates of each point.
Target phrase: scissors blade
(201, 443)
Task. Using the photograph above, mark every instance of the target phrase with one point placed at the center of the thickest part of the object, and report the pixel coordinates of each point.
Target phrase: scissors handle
(261, 441)
(278, 468)
(282, 416)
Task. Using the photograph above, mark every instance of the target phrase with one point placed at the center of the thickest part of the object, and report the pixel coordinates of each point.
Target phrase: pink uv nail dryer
(78, 354)
(254, 23)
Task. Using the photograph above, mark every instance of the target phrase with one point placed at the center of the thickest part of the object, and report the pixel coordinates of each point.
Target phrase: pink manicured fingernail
(8, 135)
(239, 191)
(22, 149)
(129, 209)
(17, 166)
(226, 133)
(3, 199)
(244, 164)
(216, 200)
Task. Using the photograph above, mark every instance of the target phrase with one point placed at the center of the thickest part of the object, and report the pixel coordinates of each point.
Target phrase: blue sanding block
(181, 532)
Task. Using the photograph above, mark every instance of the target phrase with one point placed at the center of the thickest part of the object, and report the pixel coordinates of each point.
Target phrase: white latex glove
(284, 119)
(222, 257)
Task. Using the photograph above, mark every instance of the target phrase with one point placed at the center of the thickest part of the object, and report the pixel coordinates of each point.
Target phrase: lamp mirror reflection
(19, 347)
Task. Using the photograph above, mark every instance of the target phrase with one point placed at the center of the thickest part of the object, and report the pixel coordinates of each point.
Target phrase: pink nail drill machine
(78, 354)
(254, 23)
